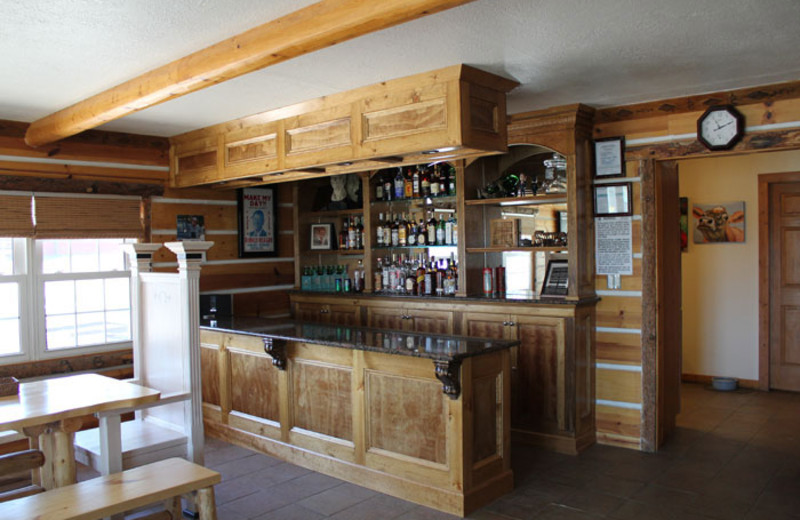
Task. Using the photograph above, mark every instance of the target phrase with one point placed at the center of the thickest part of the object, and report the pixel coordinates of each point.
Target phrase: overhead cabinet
(454, 112)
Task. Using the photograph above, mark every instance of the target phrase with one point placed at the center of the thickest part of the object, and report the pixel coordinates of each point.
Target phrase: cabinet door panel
(309, 312)
(344, 315)
(538, 399)
(386, 318)
(428, 321)
(482, 325)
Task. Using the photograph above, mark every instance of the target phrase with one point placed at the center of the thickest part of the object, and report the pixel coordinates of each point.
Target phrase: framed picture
(716, 223)
(257, 222)
(321, 237)
(684, 223)
(613, 200)
(609, 157)
(190, 227)
(556, 278)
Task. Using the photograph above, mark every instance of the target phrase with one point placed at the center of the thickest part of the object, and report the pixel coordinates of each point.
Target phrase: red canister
(500, 281)
(488, 286)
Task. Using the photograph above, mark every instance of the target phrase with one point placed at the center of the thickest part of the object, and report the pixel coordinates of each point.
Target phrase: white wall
(720, 281)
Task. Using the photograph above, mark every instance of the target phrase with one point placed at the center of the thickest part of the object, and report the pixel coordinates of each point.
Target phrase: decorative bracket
(449, 373)
(276, 348)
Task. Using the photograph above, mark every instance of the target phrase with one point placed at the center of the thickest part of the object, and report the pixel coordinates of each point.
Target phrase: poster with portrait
(257, 222)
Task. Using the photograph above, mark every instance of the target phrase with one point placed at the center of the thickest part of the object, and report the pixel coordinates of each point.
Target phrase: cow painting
(718, 222)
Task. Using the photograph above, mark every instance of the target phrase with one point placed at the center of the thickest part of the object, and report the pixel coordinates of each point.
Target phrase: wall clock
(720, 127)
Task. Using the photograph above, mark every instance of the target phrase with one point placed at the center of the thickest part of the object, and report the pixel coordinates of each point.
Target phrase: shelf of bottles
(333, 278)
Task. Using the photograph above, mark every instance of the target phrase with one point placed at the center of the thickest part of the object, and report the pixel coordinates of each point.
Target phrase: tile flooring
(735, 455)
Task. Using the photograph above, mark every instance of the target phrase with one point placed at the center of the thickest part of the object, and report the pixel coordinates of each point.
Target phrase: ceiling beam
(312, 28)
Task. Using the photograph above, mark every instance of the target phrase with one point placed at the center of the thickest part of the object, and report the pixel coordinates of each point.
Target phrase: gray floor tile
(337, 498)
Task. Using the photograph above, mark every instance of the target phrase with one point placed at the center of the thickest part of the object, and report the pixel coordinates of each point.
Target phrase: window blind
(75, 216)
(16, 216)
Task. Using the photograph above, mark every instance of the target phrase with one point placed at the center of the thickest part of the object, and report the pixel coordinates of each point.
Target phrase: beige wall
(720, 281)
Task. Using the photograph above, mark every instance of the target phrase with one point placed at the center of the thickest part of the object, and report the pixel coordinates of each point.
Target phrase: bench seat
(120, 492)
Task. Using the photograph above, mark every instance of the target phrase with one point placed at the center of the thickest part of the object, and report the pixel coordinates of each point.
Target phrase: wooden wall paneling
(619, 385)
(619, 421)
(613, 347)
(628, 282)
(216, 217)
(254, 389)
(584, 342)
(262, 303)
(620, 312)
(321, 398)
(487, 423)
(210, 373)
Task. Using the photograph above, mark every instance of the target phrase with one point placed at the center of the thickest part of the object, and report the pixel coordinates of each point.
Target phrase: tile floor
(734, 456)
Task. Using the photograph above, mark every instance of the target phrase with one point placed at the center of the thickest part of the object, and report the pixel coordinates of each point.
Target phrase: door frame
(764, 182)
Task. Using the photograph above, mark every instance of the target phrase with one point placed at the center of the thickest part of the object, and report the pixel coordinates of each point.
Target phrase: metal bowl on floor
(724, 384)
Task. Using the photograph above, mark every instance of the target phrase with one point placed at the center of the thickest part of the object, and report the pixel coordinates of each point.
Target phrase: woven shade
(16, 218)
(88, 217)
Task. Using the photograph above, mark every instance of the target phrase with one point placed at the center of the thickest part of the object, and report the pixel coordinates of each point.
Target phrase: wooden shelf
(551, 198)
(422, 200)
(333, 213)
(335, 252)
(412, 247)
(527, 249)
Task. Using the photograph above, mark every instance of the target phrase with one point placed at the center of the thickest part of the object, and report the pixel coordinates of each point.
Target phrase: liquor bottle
(402, 232)
(454, 273)
(360, 233)
(451, 186)
(425, 182)
(440, 232)
(338, 281)
(408, 185)
(388, 188)
(412, 233)
(377, 277)
(420, 275)
(395, 233)
(430, 278)
(379, 189)
(379, 231)
(432, 230)
(343, 236)
(435, 184)
(444, 179)
(411, 278)
(422, 232)
(415, 180)
(316, 278)
(455, 229)
(358, 277)
(351, 234)
(394, 274)
(441, 274)
(386, 284)
(399, 184)
(448, 230)
(305, 279)
(387, 231)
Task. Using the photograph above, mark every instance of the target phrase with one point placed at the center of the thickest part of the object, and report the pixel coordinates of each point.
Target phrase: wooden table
(49, 412)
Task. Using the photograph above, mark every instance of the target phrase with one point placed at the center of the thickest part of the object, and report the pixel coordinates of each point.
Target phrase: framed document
(609, 157)
(257, 226)
(322, 237)
(556, 279)
(613, 200)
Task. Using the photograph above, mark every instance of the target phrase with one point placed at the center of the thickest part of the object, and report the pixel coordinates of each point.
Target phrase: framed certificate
(556, 279)
(613, 200)
(609, 157)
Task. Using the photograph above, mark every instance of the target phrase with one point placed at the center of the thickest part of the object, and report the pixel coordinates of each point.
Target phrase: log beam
(312, 28)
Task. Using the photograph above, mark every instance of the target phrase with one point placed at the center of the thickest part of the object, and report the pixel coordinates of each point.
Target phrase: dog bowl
(724, 384)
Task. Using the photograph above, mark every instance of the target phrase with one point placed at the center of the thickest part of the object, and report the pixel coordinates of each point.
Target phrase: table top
(51, 400)
(438, 347)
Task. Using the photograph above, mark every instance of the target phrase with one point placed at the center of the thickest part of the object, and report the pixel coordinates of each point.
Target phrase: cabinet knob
(505, 324)
(511, 324)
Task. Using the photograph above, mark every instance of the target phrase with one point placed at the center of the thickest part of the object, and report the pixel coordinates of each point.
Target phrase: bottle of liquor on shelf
(379, 188)
(455, 229)
(441, 232)
(432, 230)
(412, 232)
(360, 233)
(387, 231)
(425, 182)
(422, 233)
(441, 274)
(338, 280)
(454, 269)
(343, 236)
(415, 183)
(358, 277)
(410, 277)
(402, 232)
(386, 271)
(305, 279)
(395, 232)
(430, 278)
(448, 229)
(420, 289)
(379, 231)
(351, 234)
(399, 184)
(444, 179)
(394, 274)
(316, 279)
(377, 277)
(388, 187)
(451, 184)
(435, 180)
(408, 184)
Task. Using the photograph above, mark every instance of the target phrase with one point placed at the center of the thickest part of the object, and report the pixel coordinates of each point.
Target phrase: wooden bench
(163, 481)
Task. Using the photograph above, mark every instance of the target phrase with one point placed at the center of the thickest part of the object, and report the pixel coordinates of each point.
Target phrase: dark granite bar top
(526, 298)
(431, 346)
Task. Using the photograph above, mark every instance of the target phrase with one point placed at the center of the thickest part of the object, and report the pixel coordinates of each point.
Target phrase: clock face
(720, 128)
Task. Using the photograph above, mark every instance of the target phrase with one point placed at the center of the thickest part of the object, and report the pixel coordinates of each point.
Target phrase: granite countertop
(527, 298)
(430, 346)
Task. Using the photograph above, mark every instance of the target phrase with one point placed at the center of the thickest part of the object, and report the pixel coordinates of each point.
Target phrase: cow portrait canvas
(715, 223)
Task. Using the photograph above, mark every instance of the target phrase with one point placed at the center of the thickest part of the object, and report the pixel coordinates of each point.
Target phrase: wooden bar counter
(422, 417)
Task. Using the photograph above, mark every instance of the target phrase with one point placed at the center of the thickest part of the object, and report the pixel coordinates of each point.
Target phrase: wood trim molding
(317, 26)
(81, 363)
(764, 181)
(766, 94)
(649, 435)
(66, 184)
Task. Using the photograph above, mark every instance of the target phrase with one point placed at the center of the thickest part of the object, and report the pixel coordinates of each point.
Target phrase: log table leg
(57, 442)
(205, 504)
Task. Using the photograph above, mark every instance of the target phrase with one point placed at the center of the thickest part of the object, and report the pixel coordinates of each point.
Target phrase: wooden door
(669, 318)
(486, 325)
(309, 311)
(343, 314)
(784, 283)
(430, 321)
(538, 402)
(386, 317)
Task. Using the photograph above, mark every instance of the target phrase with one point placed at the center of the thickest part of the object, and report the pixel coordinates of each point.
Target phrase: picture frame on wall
(257, 219)
(609, 157)
(322, 237)
(613, 200)
(718, 222)
(556, 279)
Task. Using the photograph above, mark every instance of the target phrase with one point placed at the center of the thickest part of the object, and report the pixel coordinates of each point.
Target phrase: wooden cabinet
(337, 313)
(415, 318)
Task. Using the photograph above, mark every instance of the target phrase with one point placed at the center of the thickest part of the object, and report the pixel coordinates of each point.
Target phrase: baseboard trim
(706, 380)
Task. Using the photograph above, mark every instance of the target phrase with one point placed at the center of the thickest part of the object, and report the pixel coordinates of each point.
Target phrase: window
(58, 295)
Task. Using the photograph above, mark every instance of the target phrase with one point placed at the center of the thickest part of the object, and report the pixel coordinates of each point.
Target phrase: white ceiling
(603, 53)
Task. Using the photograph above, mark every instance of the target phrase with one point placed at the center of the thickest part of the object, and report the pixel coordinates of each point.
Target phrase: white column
(140, 259)
(190, 256)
